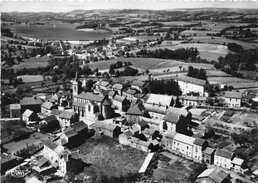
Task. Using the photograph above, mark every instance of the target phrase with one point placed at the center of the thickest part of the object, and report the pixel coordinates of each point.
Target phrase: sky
(68, 5)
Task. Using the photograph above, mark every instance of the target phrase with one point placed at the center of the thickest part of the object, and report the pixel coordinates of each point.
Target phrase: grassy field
(188, 32)
(177, 23)
(235, 82)
(32, 63)
(216, 73)
(207, 51)
(31, 78)
(109, 158)
(222, 40)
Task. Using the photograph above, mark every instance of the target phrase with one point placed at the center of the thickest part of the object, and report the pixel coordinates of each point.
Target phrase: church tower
(75, 85)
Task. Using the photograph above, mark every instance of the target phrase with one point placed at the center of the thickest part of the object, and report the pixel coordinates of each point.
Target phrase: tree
(11, 179)
(89, 84)
(180, 67)
(54, 79)
(111, 71)
(147, 71)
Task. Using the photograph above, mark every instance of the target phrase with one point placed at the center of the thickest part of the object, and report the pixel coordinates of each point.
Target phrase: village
(144, 105)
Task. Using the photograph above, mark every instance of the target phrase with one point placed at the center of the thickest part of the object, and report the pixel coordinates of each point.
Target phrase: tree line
(197, 73)
(179, 54)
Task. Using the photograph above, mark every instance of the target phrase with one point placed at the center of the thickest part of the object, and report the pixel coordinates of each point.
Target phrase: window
(89, 108)
(186, 147)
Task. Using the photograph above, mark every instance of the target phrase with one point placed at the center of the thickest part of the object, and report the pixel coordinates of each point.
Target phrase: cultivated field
(140, 38)
(198, 32)
(235, 82)
(30, 78)
(216, 73)
(110, 158)
(207, 51)
(222, 41)
(32, 63)
(179, 23)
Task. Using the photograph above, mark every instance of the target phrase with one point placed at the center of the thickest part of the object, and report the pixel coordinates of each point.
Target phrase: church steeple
(75, 84)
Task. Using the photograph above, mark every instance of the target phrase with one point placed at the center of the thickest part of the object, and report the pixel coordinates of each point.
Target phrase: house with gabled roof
(124, 137)
(183, 144)
(213, 175)
(135, 113)
(29, 116)
(190, 84)
(222, 158)
(129, 94)
(193, 100)
(121, 103)
(176, 119)
(46, 107)
(167, 140)
(237, 165)
(31, 103)
(198, 147)
(138, 85)
(15, 111)
(66, 118)
(119, 88)
(70, 162)
(233, 99)
(107, 129)
(51, 123)
(208, 155)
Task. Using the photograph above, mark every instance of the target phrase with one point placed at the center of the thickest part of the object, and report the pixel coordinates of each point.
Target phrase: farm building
(223, 158)
(233, 99)
(214, 175)
(29, 116)
(15, 110)
(31, 103)
(107, 129)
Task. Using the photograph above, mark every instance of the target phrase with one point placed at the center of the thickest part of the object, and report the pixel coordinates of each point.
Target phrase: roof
(66, 114)
(111, 93)
(119, 98)
(55, 112)
(149, 131)
(187, 79)
(170, 134)
(143, 124)
(42, 161)
(134, 139)
(90, 96)
(181, 111)
(199, 142)
(208, 150)
(79, 126)
(15, 106)
(130, 91)
(222, 145)
(155, 108)
(47, 105)
(27, 113)
(135, 128)
(104, 83)
(237, 161)
(50, 118)
(79, 104)
(184, 139)
(136, 110)
(50, 144)
(34, 180)
(163, 100)
(215, 174)
(117, 86)
(70, 133)
(31, 101)
(138, 83)
(128, 133)
(233, 95)
(224, 154)
(144, 143)
(146, 163)
(155, 142)
(193, 98)
(171, 117)
(108, 126)
(107, 102)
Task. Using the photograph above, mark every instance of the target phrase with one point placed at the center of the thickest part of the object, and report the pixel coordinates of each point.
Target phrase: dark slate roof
(222, 145)
(236, 95)
(50, 118)
(66, 114)
(79, 126)
(138, 83)
(143, 124)
(31, 101)
(224, 154)
(187, 79)
(107, 102)
(199, 142)
(70, 133)
(91, 96)
(50, 144)
(128, 133)
(135, 110)
(208, 150)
